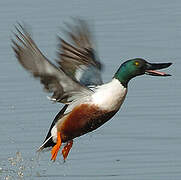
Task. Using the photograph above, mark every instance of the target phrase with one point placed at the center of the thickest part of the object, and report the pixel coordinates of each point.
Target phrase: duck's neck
(123, 76)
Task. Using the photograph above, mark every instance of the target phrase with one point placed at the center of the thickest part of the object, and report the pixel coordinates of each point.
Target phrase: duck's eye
(137, 63)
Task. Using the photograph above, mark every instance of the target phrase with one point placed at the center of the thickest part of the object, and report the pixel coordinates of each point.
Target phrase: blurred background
(143, 140)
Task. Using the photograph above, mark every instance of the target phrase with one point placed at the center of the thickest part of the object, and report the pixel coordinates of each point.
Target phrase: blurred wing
(79, 59)
(54, 79)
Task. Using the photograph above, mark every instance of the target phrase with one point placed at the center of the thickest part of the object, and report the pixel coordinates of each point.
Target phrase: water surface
(143, 140)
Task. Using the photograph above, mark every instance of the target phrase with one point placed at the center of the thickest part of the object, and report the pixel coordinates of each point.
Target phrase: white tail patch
(53, 136)
(54, 133)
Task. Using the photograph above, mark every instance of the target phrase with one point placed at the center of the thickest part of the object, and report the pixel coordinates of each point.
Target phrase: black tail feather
(50, 142)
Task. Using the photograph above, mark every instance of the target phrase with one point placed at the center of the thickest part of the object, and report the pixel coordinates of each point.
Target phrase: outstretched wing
(54, 79)
(79, 59)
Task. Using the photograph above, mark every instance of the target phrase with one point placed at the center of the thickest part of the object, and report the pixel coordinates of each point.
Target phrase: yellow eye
(137, 63)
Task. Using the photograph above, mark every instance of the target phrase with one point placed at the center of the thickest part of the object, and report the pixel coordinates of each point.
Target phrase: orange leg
(56, 148)
(66, 149)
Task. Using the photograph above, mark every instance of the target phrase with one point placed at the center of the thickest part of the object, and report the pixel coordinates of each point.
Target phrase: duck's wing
(54, 79)
(79, 59)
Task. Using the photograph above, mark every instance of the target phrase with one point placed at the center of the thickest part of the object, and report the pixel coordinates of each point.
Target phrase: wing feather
(54, 79)
(80, 56)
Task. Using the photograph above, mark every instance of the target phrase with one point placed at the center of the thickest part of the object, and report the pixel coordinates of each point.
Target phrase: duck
(74, 80)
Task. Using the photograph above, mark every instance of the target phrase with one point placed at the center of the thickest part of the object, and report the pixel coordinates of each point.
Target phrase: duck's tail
(50, 139)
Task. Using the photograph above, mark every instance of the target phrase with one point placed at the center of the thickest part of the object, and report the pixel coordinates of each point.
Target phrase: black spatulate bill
(152, 67)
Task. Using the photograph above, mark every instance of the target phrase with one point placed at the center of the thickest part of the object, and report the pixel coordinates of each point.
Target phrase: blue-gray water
(143, 140)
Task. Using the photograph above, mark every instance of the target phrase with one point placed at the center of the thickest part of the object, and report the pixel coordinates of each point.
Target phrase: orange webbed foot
(56, 148)
(66, 149)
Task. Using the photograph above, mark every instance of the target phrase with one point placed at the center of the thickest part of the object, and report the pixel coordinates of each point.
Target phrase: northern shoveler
(76, 82)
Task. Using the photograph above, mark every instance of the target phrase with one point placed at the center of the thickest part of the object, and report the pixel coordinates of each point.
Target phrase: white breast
(110, 96)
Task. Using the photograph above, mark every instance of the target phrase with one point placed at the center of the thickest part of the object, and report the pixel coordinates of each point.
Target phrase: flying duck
(75, 80)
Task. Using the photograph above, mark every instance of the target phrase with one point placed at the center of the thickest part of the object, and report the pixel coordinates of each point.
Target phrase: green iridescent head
(138, 66)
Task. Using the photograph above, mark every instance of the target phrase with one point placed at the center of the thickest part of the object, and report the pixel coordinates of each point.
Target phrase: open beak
(152, 67)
